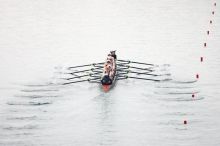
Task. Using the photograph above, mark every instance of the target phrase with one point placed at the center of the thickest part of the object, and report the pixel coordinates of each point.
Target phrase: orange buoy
(201, 59)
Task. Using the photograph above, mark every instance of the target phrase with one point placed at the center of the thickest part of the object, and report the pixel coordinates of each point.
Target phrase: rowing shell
(107, 87)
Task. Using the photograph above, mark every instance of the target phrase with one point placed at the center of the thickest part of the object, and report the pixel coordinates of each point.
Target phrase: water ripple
(29, 103)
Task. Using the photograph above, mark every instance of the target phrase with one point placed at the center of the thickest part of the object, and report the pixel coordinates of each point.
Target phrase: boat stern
(106, 88)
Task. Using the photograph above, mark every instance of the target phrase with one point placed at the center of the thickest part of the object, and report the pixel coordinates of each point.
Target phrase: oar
(128, 61)
(101, 66)
(75, 82)
(95, 75)
(122, 63)
(89, 80)
(98, 72)
(94, 79)
(85, 65)
(141, 63)
(97, 67)
(122, 74)
(75, 77)
(145, 79)
(127, 66)
(142, 68)
(122, 68)
(80, 71)
(79, 66)
(92, 69)
(80, 76)
(121, 78)
(144, 73)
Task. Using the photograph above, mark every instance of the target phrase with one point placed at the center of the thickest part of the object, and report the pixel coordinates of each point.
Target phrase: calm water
(39, 39)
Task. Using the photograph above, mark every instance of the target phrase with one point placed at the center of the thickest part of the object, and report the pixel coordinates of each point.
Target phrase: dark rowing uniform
(114, 56)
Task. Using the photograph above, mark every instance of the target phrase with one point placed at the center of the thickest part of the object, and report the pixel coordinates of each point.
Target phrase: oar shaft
(121, 78)
(145, 79)
(92, 69)
(141, 63)
(97, 71)
(94, 64)
(142, 68)
(123, 73)
(79, 66)
(94, 79)
(127, 61)
(81, 71)
(123, 60)
(95, 76)
(74, 82)
(144, 73)
(91, 75)
(122, 66)
(122, 63)
(76, 77)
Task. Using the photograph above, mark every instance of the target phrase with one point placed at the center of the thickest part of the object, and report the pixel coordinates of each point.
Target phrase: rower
(107, 67)
(105, 73)
(113, 54)
(113, 59)
(111, 73)
(110, 58)
(108, 62)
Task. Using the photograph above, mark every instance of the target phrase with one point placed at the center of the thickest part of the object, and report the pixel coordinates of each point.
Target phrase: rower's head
(112, 52)
(108, 61)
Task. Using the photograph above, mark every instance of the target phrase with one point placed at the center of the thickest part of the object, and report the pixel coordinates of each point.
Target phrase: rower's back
(114, 56)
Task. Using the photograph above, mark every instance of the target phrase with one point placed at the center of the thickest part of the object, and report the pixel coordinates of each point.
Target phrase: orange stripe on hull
(106, 88)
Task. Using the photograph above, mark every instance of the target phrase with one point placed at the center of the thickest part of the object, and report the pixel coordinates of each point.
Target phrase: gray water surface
(39, 39)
